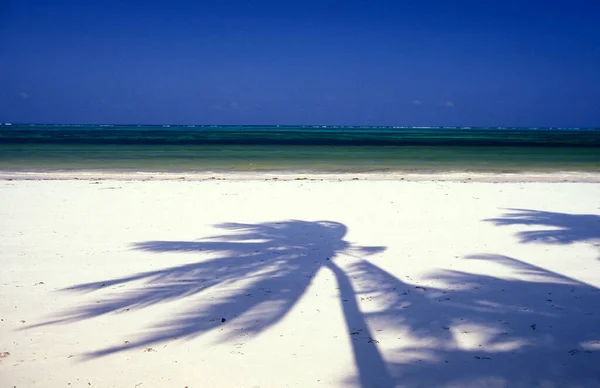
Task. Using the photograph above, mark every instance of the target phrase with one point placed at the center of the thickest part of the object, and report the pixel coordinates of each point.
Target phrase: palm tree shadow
(259, 273)
(566, 228)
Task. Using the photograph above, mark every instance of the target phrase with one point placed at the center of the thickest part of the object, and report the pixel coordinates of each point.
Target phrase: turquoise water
(318, 149)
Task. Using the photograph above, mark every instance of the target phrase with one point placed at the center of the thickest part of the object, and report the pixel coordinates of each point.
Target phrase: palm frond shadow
(482, 330)
(566, 228)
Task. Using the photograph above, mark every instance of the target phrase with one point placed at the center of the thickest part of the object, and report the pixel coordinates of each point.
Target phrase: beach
(299, 194)
(299, 280)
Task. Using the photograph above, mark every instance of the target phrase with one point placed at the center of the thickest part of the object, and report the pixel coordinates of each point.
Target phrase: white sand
(125, 283)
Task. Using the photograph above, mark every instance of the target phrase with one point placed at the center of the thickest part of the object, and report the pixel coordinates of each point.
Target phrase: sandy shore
(411, 176)
(224, 281)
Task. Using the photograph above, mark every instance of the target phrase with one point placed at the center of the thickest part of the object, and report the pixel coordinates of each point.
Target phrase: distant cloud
(24, 95)
(417, 102)
(449, 104)
(234, 105)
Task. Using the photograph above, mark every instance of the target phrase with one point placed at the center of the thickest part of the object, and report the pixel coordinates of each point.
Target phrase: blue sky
(479, 63)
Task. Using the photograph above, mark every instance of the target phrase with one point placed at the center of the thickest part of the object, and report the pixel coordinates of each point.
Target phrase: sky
(420, 63)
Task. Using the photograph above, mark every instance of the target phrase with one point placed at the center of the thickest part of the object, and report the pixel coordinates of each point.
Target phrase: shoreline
(449, 176)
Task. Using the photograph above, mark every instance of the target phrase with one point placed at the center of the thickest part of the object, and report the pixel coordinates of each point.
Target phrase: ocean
(45, 148)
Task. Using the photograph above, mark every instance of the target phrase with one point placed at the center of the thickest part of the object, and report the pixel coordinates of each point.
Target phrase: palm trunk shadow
(372, 369)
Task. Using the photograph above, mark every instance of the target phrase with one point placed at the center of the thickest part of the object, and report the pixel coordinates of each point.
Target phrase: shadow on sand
(535, 328)
(566, 228)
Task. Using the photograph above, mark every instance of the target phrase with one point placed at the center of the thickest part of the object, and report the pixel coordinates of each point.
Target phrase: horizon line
(8, 124)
